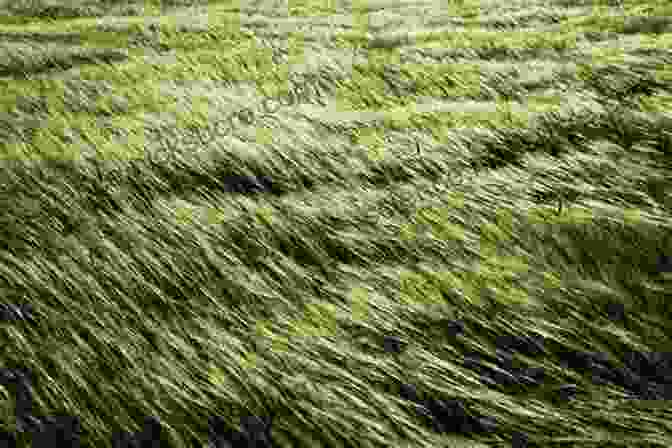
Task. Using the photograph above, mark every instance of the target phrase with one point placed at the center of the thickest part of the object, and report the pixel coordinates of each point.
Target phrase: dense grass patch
(335, 224)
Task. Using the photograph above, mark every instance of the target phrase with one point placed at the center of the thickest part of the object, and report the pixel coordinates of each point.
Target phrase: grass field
(336, 224)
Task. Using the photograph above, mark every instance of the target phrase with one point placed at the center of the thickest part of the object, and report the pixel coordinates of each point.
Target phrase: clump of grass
(239, 225)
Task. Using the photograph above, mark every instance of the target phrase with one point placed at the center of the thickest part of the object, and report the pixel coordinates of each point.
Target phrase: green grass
(506, 166)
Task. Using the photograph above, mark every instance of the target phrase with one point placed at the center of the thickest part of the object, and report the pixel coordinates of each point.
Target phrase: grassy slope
(509, 167)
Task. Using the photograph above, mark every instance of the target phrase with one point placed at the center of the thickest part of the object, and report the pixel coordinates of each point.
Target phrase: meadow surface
(336, 224)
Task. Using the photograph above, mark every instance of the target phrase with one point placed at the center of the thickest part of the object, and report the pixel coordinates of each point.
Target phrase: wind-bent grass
(341, 214)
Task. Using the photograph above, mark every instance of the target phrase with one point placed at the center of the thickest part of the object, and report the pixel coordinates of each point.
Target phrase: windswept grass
(331, 224)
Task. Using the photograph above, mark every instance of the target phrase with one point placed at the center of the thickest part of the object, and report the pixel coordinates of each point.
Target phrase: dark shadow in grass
(59, 430)
(186, 180)
(150, 436)
(18, 381)
(7, 439)
(254, 432)
(642, 375)
(664, 265)
(393, 344)
(16, 312)
(249, 184)
(445, 416)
